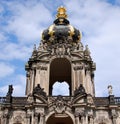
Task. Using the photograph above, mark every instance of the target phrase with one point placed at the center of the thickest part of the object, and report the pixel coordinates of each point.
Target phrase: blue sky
(21, 25)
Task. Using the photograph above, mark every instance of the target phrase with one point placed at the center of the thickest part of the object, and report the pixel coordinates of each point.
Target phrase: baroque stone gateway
(60, 57)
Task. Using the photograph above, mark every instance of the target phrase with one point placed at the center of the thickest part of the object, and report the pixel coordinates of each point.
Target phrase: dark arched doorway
(60, 71)
(53, 119)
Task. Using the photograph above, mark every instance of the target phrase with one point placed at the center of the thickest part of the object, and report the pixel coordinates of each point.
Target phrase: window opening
(60, 88)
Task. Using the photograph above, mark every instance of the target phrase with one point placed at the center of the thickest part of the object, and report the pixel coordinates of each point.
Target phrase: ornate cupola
(61, 32)
(61, 57)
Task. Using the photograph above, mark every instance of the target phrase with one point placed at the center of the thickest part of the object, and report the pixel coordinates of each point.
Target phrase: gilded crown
(61, 12)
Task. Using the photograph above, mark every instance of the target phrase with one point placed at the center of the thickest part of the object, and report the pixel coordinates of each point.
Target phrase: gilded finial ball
(61, 12)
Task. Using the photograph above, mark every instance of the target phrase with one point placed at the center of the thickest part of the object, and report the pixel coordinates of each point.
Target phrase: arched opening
(57, 90)
(56, 119)
(60, 71)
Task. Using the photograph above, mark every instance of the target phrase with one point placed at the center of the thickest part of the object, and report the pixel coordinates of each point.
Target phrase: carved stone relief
(101, 120)
(59, 105)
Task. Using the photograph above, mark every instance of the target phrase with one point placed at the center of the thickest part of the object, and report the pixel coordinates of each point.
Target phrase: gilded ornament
(51, 30)
(71, 30)
(61, 12)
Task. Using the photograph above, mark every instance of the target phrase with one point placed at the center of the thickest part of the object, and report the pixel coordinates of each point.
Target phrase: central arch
(60, 71)
(54, 119)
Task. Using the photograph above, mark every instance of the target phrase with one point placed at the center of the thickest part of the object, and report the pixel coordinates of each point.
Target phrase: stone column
(74, 81)
(91, 120)
(114, 120)
(36, 118)
(83, 120)
(92, 80)
(81, 76)
(37, 78)
(5, 118)
(28, 118)
(32, 120)
(86, 119)
(114, 116)
(28, 83)
(42, 119)
(88, 85)
(77, 121)
(31, 81)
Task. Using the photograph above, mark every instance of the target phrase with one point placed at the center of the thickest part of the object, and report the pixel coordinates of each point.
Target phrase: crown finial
(61, 12)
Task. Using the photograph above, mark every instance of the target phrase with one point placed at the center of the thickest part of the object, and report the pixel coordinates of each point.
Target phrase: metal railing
(117, 100)
(2, 99)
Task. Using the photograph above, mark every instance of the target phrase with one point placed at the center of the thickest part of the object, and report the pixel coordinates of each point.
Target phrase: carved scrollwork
(87, 67)
(61, 49)
(60, 105)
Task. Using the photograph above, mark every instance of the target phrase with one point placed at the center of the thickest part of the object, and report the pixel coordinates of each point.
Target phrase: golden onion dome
(61, 30)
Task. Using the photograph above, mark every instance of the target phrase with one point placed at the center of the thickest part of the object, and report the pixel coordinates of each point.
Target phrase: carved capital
(43, 68)
(36, 114)
(42, 114)
(6, 116)
(28, 115)
(78, 68)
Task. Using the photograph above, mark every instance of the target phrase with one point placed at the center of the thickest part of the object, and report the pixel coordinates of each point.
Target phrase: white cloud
(10, 51)
(6, 69)
(28, 20)
(2, 37)
(3, 90)
(118, 2)
(1, 8)
(18, 86)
